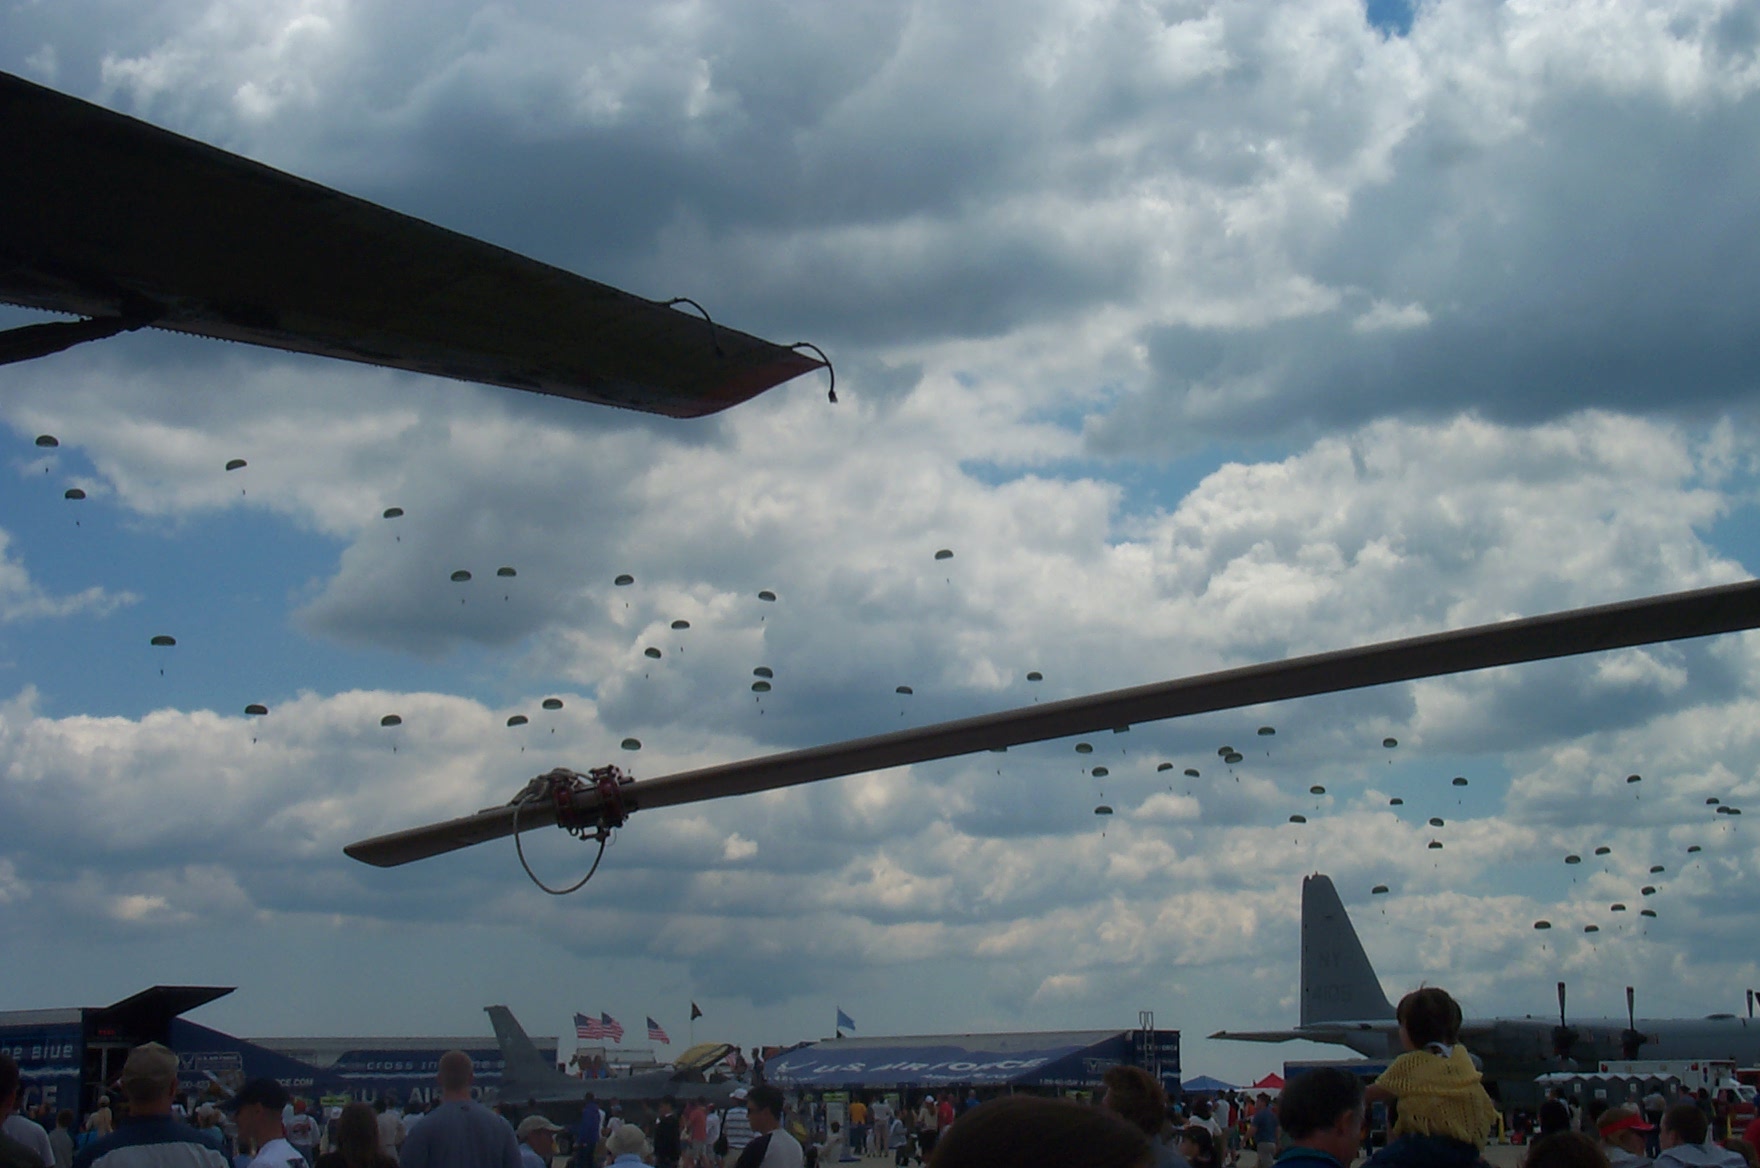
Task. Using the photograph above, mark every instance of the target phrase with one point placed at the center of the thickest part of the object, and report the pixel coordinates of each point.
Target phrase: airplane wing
(1700, 613)
(128, 225)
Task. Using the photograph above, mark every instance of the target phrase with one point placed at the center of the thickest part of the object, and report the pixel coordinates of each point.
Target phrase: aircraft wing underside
(110, 218)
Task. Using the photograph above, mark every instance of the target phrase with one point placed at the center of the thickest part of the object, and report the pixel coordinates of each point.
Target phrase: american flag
(655, 1034)
(612, 1028)
(588, 1028)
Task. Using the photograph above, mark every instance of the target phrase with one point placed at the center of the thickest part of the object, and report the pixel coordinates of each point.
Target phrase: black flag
(696, 1012)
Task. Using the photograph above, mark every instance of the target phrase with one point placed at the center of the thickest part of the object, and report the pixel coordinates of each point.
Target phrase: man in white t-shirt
(19, 1127)
(257, 1111)
(771, 1146)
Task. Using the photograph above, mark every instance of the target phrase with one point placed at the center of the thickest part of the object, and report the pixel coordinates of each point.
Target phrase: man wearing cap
(151, 1137)
(537, 1141)
(257, 1109)
(459, 1132)
(1622, 1131)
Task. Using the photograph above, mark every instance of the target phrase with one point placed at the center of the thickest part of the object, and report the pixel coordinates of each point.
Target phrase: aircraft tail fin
(1338, 983)
(523, 1067)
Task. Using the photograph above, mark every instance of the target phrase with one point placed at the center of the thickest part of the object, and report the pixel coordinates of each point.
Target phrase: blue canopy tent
(1205, 1085)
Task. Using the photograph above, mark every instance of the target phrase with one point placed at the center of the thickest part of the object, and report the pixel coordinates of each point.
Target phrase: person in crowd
(102, 1121)
(1029, 1131)
(1444, 1113)
(1321, 1112)
(1564, 1149)
(391, 1129)
(695, 1129)
(151, 1137)
(303, 1132)
(898, 1139)
(1623, 1136)
(20, 1128)
(1744, 1149)
(771, 1145)
(668, 1135)
(586, 1134)
(736, 1127)
(354, 1135)
(537, 1141)
(1264, 1126)
(61, 1139)
(1133, 1095)
(459, 1132)
(257, 1110)
(1197, 1146)
(927, 1125)
(627, 1147)
(1685, 1128)
(831, 1149)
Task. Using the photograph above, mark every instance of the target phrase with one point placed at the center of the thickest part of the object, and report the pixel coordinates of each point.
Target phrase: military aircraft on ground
(526, 1077)
(1343, 1004)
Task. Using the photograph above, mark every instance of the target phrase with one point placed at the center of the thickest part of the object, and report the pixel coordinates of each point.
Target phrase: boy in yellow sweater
(1444, 1115)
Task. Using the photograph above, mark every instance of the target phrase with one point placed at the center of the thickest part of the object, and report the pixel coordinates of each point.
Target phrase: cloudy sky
(1201, 334)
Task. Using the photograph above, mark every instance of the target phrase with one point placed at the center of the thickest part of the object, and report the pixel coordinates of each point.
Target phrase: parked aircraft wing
(126, 224)
(1700, 613)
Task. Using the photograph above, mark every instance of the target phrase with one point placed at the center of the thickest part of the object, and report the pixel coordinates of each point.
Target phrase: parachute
(1298, 819)
(1712, 800)
(1616, 908)
(624, 580)
(760, 687)
(1646, 912)
(1084, 748)
(1591, 928)
(1542, 924)
(235, 464)
(1035, 675)
(1191, 772)
(391, 720)
(1100, 772)
(1103, 809)
(1224, 751)
(631, 744)
(505, 572)
(163, 641)
(256, 709)
(73, 493)
(944, 554)
(460, 576)
(1166, 766)
(1654, 868)
(552, 703)
(1266, 731)
(1436, 821)
(681, 624)
(1232, 757)
(1730, 810)
(1396, 801)
(904, 689)
(518, 720)
(1603, 850)
(763, 671)
(48, 441)
(1634, 778)
(1316, 789)
(1390, 743)
(1647, 890)
(1691, 848)
(1434, 844)
(392, 513)
(650, 651)
(1573, 859)
(1459, 780)
(767, 595)
(1378, 890)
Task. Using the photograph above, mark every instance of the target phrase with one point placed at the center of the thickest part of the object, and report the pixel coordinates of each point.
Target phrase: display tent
(1069, 1058)
(1270, 1083)
(1205, 1085)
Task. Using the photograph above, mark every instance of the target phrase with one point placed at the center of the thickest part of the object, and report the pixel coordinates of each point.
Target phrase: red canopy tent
(1271, 1082)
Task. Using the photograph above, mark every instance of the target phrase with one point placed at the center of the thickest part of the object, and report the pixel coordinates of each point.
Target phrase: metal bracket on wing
(586, 818)
(39, 340)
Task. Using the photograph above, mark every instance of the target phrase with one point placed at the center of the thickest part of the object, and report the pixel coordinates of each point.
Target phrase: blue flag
(844, 1021)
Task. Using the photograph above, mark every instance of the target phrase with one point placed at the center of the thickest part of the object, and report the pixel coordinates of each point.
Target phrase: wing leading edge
(108, 217)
